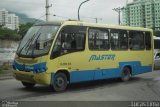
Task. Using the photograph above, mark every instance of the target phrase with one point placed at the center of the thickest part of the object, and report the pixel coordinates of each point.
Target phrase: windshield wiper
(35, 44)
(29, 44)
(25, 45)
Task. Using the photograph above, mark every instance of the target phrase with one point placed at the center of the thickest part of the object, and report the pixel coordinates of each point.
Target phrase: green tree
(9, 34)
(23, 28)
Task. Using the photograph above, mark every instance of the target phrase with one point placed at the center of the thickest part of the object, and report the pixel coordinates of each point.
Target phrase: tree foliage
(9, 34)
(23, 28)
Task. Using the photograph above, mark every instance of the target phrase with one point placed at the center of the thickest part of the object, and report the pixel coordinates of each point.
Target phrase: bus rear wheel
(28, 85)
(60, 82)
(126, 74)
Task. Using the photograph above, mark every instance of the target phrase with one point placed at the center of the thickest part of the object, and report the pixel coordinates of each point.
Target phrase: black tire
(28, 85)
(126, 74)
(60, 82)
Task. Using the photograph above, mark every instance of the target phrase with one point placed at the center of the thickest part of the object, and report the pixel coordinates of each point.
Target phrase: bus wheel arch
(60, 81)
(66, 73)
(126, 73)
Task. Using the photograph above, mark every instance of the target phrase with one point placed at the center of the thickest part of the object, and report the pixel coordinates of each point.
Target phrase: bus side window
(148, 40)
(119, 40)
(98, 39)
(70, 39)
(136, 40)
(114, 40)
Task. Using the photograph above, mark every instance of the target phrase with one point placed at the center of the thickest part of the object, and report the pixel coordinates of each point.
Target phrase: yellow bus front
(31, 58)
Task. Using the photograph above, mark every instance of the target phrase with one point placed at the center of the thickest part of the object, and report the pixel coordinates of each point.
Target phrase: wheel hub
(60, 82)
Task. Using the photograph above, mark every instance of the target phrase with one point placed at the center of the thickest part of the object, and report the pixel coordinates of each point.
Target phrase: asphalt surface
(144, 87)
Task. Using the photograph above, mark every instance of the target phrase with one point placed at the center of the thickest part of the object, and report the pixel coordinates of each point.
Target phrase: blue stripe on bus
(88, 75)
(52, 78)
(36, 68)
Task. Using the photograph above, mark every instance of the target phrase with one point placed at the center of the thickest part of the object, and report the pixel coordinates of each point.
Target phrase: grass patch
(5, 68)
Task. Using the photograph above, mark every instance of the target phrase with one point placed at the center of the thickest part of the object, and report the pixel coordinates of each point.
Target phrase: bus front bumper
(40, 78)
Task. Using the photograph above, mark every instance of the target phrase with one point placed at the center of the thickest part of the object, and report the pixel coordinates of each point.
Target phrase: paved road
(144, 87)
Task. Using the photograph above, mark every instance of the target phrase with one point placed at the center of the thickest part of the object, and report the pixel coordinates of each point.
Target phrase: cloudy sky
(64, 9)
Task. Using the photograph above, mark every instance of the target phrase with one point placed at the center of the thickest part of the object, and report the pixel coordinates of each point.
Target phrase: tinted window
(136, 40)
(156, 44)
(119, 40)
(70, 39)
(98, 39)
(148, 40)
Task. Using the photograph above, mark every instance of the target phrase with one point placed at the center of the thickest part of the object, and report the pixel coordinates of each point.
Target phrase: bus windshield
(37, 41)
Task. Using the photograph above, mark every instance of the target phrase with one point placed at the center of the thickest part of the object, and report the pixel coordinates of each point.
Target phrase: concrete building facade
(7, 20)
(142, 13)
(13, 22)
(3, 17)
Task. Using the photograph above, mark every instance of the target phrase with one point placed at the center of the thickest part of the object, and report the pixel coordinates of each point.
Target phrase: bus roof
(81, 23)
(58, 23)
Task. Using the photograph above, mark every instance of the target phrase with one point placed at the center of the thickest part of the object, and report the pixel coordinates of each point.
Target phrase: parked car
(157, 60)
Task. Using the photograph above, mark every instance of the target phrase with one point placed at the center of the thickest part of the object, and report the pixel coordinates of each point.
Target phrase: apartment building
(142, 13)
(7, 20)
(3, 17)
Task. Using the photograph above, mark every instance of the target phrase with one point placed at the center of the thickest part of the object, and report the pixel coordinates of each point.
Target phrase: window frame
(119, 31)
(150, 40)
(144, 47)
(84, 48)
(99, 28)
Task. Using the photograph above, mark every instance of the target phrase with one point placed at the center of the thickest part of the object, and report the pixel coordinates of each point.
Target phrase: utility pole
(47, 10)
(118, 10)
(96, 19)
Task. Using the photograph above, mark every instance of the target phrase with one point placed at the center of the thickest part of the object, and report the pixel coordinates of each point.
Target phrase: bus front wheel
(28, 85)
(59, 82)
(126, 74)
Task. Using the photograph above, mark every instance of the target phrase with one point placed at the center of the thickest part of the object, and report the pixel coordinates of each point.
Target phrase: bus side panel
(136, 67)
(80, 76)
(106, 73)
(88, 75)
(105, 69)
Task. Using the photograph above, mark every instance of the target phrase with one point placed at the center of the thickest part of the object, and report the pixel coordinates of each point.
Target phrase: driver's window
(70, 39)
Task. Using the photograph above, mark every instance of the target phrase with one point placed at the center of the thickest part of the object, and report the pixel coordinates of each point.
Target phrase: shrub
(1, 70)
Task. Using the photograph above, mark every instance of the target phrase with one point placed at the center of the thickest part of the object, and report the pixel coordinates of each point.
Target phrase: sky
(67, 9)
